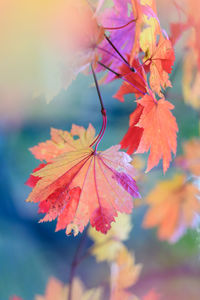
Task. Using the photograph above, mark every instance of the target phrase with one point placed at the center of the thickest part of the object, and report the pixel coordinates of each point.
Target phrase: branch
(75, 263)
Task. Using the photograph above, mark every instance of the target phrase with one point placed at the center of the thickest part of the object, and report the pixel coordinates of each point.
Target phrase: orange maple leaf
(160, 63)
(56, 290)
(84, 185)
(159, 131)
(173, 207)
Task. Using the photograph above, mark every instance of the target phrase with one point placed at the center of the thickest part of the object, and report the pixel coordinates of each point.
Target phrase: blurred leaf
(173, 208)
(107, 246)
(124, 274)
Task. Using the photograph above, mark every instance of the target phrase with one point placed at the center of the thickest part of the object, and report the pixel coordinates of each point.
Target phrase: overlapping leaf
(124, 274)
(160, 63)
(143, 12)
(106, 247)
(132, 138)
(157, 131)
(133, 82)
(121, 20)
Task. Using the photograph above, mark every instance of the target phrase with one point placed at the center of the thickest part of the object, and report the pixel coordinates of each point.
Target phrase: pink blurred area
(44, 45)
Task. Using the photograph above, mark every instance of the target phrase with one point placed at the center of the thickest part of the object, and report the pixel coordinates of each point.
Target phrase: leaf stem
(103, 112)
(123, 76)
(113, 46)
(120, 27)
(102, 132)
(109, 69)
(97, 88)
(75, 263)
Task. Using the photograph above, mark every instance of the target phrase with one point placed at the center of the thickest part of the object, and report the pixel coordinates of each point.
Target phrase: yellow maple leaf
(107, 246)
(124, 274)
(173, 207)
(144, 11)
(63, 141)
(148, 36)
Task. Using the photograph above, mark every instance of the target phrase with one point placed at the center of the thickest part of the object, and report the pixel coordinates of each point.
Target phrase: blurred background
(30, 253)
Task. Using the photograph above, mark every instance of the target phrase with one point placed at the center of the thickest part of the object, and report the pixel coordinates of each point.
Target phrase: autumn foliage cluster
(75, 183)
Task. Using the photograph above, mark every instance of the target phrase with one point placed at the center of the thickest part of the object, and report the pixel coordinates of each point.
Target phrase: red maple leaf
(134, 82)
(133, 136)
(84, 185)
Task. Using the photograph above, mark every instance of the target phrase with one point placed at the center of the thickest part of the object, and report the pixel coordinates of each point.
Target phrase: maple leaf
(106, 247)
(82, 185)
(143, 12)
(160, 63)
(56, 290)
(150, 31)
(156, 131)
(190, 160)
(124, 274)
(133, 82)
(63, 141)
(119, 22)
(173, 208)
(159, 133)
(132, 138)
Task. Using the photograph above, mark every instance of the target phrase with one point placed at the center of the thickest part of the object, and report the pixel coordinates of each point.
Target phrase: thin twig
(113, 46)
(103, 112)
(109, 69)
(97, 88)
(75, 263)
